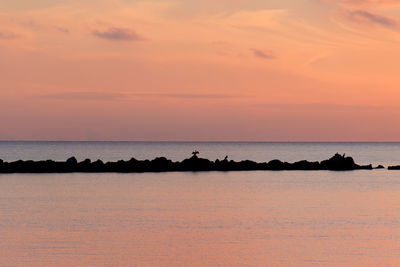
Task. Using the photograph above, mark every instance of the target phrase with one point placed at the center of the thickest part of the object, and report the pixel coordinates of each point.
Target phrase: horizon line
(191, 141)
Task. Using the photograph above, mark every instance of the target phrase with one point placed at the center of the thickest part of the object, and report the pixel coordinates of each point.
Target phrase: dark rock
(133, 160)
(342, 163)
(85, 166)
(365, 167)
(162, 164)
(72, 160)
(339, 162)
(98, 163)
(394, 167)
(247, 165)
(196, 164)
(275, 165)
(306, 165)
(85, 162)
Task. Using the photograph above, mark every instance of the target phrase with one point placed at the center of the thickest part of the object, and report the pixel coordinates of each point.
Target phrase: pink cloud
(362, 16)
(8, 35)
(118, 34)
(262, 54)
(363, 2)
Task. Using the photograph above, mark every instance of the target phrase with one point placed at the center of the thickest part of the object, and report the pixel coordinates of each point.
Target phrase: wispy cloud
(363, 2)
(362, 16)
(40, 26)
(84, 96)
(115, 96)
(62, 29)
(262, 54)
(321, 107)
(187, 96)
(118, 34)
(8, 35)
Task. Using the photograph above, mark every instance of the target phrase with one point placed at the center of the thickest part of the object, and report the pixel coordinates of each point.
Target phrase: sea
(251, 218)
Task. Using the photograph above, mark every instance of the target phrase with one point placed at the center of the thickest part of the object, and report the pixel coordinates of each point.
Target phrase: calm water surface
(205, 219)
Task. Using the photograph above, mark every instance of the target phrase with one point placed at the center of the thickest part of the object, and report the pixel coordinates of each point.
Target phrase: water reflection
(186, 219)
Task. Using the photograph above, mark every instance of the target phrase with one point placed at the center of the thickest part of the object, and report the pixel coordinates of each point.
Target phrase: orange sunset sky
(255, 70)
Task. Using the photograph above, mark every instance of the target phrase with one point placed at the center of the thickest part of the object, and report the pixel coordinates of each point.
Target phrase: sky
(191, 70)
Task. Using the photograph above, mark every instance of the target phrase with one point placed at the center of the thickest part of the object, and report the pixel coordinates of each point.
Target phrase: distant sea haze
(363, 153)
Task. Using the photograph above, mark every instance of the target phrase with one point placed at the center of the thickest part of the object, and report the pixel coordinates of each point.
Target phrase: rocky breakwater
(394, 167)
(193, 164)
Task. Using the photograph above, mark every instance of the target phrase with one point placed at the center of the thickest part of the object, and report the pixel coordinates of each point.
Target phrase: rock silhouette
(394, 167)
(193, 164)
(72, 160)
(339, 162)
